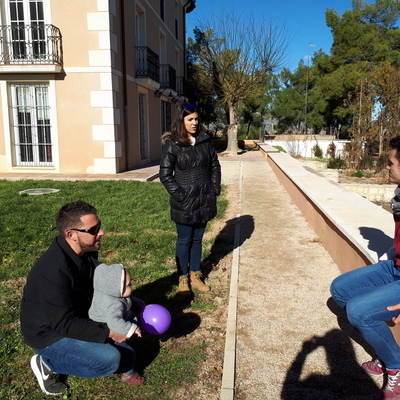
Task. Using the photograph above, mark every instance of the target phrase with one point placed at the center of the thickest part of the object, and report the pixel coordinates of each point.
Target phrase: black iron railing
(180, 83)
(167, 77)
(147, 63)
(30, 44)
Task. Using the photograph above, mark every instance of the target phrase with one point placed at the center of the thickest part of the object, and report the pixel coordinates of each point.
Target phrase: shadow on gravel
(345, 381)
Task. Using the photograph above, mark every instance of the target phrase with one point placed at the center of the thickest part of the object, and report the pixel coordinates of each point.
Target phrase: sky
(304, 21)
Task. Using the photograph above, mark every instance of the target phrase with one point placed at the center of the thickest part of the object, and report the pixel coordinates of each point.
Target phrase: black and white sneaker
(49, 382)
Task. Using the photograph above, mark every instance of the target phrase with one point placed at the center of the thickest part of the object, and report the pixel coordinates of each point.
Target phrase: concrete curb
(229, 366)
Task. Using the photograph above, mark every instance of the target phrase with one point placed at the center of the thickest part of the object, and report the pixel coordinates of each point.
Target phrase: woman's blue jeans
(88, 359)
(189, 247)
(365, 293)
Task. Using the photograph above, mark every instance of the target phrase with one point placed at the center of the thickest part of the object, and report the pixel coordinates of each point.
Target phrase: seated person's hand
(138, 332)
(396, 320)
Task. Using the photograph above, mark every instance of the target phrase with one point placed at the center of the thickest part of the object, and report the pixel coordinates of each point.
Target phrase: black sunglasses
(189, 106)
(94, 230)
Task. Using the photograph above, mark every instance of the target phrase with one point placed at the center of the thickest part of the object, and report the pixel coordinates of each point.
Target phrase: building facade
(88, 86)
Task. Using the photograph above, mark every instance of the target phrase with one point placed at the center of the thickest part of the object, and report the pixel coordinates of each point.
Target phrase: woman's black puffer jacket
(192, 177)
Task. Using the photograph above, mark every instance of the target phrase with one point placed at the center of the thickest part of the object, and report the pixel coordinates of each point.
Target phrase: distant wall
(299, 145)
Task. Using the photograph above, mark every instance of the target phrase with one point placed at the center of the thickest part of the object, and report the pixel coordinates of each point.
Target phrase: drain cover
(35, 192)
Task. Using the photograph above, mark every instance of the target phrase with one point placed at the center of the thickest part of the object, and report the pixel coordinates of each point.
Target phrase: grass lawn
(140, 235)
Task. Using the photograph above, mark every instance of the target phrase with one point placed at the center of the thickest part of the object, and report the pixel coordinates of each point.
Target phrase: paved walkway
(284, 340)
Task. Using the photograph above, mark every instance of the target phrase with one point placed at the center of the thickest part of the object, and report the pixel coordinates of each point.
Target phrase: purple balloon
(155, 319)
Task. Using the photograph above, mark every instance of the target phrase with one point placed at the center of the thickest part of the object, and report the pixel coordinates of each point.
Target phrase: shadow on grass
(183, 323)
(226, 241)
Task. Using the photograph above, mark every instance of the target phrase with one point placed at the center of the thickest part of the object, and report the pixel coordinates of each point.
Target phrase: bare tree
(236, 55)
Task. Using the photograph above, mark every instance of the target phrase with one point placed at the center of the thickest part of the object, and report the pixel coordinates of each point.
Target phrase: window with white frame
(27, 28)
(30, 125)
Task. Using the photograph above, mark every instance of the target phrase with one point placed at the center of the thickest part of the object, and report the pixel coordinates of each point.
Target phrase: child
(112, 303)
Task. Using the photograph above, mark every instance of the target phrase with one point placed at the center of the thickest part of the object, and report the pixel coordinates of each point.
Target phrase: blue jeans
(365, 293)
(88, 359)
(189, 247)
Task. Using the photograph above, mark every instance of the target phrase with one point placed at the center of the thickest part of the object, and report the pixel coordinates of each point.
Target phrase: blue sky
(304, 20)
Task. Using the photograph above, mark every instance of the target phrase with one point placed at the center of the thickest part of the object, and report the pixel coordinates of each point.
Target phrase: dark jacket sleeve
(167, 171)
(56, 300)
(215, 171)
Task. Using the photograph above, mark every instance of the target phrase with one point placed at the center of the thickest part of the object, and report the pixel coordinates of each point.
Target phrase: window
(31, 128)
(27, 29)
(143, 130)
(165, 116)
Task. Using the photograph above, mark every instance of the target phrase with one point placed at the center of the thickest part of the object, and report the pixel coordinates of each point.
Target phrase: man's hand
(396, 320)
(117, 337)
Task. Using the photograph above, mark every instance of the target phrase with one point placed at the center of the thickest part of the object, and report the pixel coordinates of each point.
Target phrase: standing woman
(191, 173)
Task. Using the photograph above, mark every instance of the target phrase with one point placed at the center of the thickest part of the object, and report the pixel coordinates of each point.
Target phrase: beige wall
(93, 89)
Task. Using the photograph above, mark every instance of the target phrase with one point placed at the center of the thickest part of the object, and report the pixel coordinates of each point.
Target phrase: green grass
(140, 235)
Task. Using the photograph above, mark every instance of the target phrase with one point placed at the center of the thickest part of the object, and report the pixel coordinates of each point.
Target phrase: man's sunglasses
(94, 230)
(189, 106)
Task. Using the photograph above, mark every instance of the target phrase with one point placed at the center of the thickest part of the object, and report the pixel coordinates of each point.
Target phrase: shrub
(358, 174)
(332, 150)
(317, 151)
(361, 174)
(280, 148)
(336, 163)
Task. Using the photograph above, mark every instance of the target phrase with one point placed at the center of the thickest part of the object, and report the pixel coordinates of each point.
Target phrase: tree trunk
(232, 147)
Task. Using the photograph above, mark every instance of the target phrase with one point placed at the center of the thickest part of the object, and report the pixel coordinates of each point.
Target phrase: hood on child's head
(109, 279)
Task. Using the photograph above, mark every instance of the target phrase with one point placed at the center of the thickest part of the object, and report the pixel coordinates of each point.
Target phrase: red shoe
(392, 388)
(374, 367)
(134, 379)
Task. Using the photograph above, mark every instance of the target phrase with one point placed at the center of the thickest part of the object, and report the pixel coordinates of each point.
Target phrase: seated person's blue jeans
(365, 293)
(88, 359)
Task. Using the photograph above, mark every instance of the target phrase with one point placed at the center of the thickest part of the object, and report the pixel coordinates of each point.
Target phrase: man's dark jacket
(57, 297)
(192, 177)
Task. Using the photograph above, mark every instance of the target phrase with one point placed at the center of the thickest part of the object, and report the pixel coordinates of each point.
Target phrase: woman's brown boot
(184, 284)
(196, 282)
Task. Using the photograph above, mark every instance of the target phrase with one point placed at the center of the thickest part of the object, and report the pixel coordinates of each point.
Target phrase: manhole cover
(35, 192)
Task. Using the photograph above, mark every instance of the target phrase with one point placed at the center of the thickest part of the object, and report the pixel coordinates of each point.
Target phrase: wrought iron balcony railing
(30, 44)
(180, 82)
(147, 63)
(167, 77)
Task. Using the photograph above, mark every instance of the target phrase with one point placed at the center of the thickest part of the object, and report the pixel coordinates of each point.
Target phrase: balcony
(30, 48)
(147, 67)
(167, 77)
(180, 85)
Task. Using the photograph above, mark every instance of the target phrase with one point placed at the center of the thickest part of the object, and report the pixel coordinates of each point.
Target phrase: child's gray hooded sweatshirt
(108, 305)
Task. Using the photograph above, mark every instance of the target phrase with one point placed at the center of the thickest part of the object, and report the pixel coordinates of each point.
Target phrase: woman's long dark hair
(178, 132)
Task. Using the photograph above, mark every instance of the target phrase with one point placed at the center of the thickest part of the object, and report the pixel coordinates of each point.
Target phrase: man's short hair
(395, 144)
(70, 215)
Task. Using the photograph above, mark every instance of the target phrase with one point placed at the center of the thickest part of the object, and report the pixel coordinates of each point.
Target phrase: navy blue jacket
(57, 297)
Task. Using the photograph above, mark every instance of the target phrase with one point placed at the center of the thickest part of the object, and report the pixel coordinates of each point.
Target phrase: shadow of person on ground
(346, 379)
(227, 240)
(379, 242)
(182, 323)
(347, 328)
